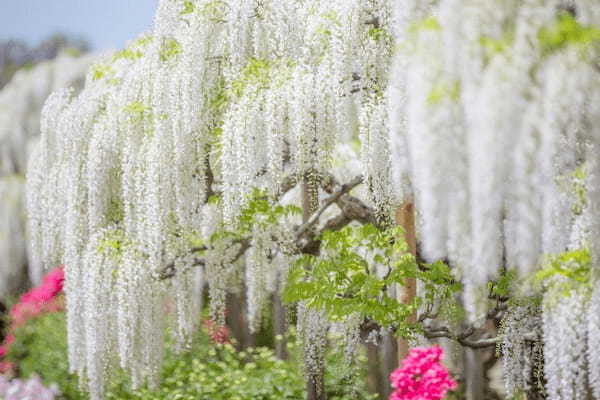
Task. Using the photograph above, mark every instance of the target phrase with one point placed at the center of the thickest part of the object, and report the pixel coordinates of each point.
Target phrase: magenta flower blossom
(38, 299)
(422, 376)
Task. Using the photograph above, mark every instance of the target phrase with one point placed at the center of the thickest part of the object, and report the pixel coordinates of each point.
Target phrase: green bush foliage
(206, 372)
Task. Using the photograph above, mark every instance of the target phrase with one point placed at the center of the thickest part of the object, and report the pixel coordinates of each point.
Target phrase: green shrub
(206, 372)
(41, 347)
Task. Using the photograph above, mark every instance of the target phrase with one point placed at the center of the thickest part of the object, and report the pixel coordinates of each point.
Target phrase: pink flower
(218, 334)
(422, 376)
(40, 299)
(9, 339)
(6, 367)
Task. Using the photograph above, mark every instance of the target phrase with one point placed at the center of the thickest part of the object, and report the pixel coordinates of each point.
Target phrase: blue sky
(105, 24)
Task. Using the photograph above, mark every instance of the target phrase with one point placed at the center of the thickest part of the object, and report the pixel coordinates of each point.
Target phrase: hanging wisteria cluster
(152, 165)
(496, 110)
(493, 109)
(181, 161)
(493, 122)
(522, 349)
(21, 101)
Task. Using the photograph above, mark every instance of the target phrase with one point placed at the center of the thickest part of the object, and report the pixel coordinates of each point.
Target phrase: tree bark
(474, 374)
(405, 217)
(388, 354)
(237, 322)
(375, 378)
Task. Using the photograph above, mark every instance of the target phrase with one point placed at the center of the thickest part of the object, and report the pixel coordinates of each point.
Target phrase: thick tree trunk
(405, 217)
(388, 354)
(375, 378)
(474, 374)
(237, 322)
(315, 385)
(279, 327)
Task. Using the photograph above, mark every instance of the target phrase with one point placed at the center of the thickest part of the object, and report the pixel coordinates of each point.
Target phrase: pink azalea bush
(41, 299)
(30, 389)
(422, 376)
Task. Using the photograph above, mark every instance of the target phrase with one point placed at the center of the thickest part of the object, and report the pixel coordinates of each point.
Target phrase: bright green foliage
(213, 10)
(128, 54)
(344, 280)
(170, 48)
(572, 265)
(439, 289)
(378, 34)
(113, 242)
(495, 46)
(261, 73)
(444, 91)
(260, 211)
(188, 8)
(579, 190)
(100, 71)
(430, 23)
(137, 111)
(567, 31)
(565, 274)
(502, 287)
(219, 101)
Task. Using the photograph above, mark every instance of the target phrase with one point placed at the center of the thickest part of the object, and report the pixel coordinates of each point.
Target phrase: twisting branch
(352, 207)
(169, 270)
(464, 337)
(429, 313)
(289, 182)
(334, 198)
(307, 239)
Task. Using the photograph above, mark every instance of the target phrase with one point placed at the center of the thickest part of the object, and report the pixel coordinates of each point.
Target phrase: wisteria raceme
(313, 326)
(219, 99)
(493, 110)
(349, 331)
(565, 345)
(13, 252)
(593, 341)
(20, 103)
(300, 92)
(521, 348)
(375, 154)
(486, 131)
(22, 99)
(257, 262)
(151, 167)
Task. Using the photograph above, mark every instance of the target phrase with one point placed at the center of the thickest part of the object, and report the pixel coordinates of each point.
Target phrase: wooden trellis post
(405, 217)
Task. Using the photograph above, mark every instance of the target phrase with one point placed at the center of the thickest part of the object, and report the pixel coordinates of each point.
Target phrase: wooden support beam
(405, 218)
